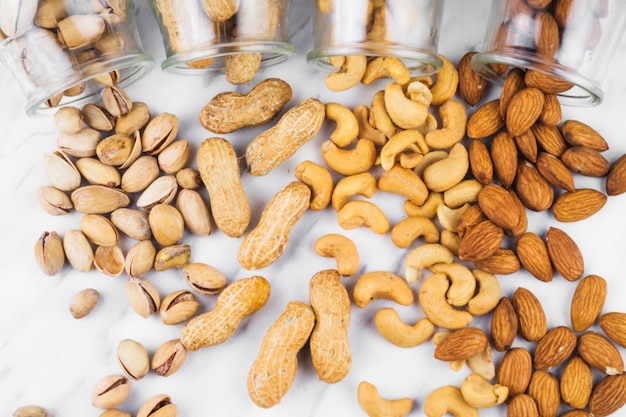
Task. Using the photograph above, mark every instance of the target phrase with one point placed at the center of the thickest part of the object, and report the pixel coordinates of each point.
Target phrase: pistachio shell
(98, 173)
(158, 406)
(97, 117)
(174, 157)
(61, 171)
(133, 358)
(178, 307)
(77, 31)
(166, 223)
(99, 230)
(142, 296)
(175, 256)
(115, 149)
(78, 250)
(132, 222)
(161, 190)
(204, 279)
(80, 144)
(134, 153)
(50, 13)
(109, 260)
(110, 391)
(75, 90)
(39, 48)
(83, 302)
(108, 78)
(160, 131)
(114, 412)
(169, 357)
(140, 174)
(116, 101)
(49, 253)
(17, 16)
(195, 212)
(68, 120)
(140, 258)
(110, 42)
(54, 201)
(134, 120)
(31, 411)
(97, 199)
(189, 179)
(113, 11)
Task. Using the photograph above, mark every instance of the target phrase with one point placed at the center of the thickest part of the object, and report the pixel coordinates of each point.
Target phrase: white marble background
(51, 359)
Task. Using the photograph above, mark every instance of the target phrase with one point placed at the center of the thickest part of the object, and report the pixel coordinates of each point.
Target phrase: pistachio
(97, 117)
(31, 411)
(114, 412)
(116, 101)
(178, 306)
(161, 190)
(61, 171)
(195, 212)
(108, 78)
(38, 48)
(49, 253)
(99, 230)
(140, 174)
(189, 179)
(134, 120)
(83, 302)
(80, 144)
(50, 13)
(97, 199)
(174, 157)
(158, 406)
(78, 30)
(132, 222)
(109, 260)
(142, 296)
(113, 11)
(110, 391)
(54, 201)
(110, 42)
(53, 100)
(115, 149)
(75, 90)
(204, 279)
(133, 358)
(140, 258)
(175, 256)
(166, 223)
(98, 173)
(17, 16)
(160, 131)
(169, 357)
(78, 250)
(68, 120)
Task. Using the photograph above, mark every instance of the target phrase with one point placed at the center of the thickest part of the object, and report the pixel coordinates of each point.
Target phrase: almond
(472, 87)
(608, 396)
(585, 161)
(498, 205)
(573, 206)
(524, 110)
(554, 348)
(599, 353)
(522, 405)
(532, 319)
(616, 178)
(555, 171)
(576, 383)
(526, 144)
(552, 113)
(614, 326)
(533, 255)
(578, 133)
(504, 156)
(470, 218)
(462, 344)
(480, 161)
(532, 188)
(544, 389)
(522, 225)
(587, 302)
(546, 83)
(564, 254)
(575, 413)
(515, 370)
(480, 241)
(547, 35)
(513, 82)
(485, 121)
(549, 138)
(501, 262)
(503, 325)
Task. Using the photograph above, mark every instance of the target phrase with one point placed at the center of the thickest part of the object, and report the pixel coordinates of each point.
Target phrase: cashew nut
(479, 393)
(404, 112)
(363, 184)
(454, 119)
(366, 130)
(419, 92)
(406, 231)
(349, 161)
(488, 293)
(463, 283)
(424, 256)
(342, 249)
(482, 364)
(406, 139)
(446, 84)
(450, 240)
(347, 129)
(396, 331)
(448, 172)
(464, 192)
(379, 116)
(337, 60)
(349, 75)
(429, 159)
(428, 209)
(449, 217)
(448, 400)
(381, 284)
(432, 298)
(404, 182)
(409, 159)
(376, 406)
(359, 213)
(386, 67)
(319, 180)
(429, 124)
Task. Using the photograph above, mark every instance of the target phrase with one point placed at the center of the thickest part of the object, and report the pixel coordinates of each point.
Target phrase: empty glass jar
(64, 51)
(572, 40)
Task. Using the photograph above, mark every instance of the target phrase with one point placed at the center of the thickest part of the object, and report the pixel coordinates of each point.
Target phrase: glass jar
(63, 52)
(407, 29)
(572, 40)
(199, 35)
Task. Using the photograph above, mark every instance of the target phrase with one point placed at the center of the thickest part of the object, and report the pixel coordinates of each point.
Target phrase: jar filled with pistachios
(63, 52)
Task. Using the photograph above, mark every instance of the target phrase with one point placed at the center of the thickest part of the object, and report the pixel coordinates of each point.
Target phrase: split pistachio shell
(175, 256)
(109, 260)
(99, 230)
(161, 190)
(158, 406)
(98, 173)
(83, 302)
(178, 307)
(140, 174)
(134, 153)
(134, 120)
(78, 250)
(110, 391)
(49, 253)
(115, 149)
(169, 357)
(133, 358)
(160, 131)
(77, 31)
(31, 411)
(204, 279)
(140, 258)
(116, 101)
(142, 296)
(189, 178)
(61, 171)
(68, 120)
(97, 199)
(195, 212)
(166, 223)
(80, 144)
(54, 201)
(98, 118)
(132, 222)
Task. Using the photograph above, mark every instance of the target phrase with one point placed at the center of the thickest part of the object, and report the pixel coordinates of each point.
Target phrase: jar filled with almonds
(65, 51)
(566, 44)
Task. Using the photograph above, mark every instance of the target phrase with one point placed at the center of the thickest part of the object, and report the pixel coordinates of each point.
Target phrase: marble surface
(51, 359)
